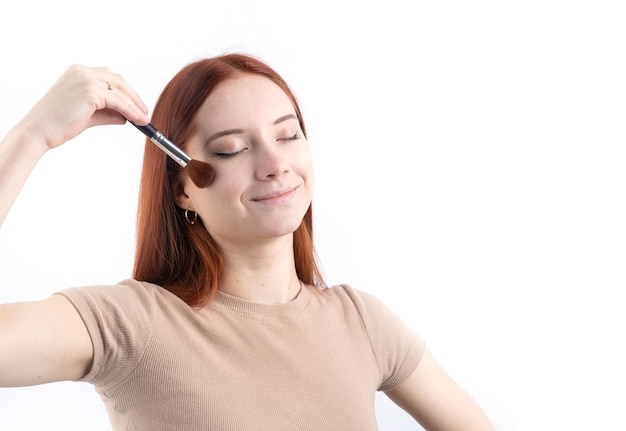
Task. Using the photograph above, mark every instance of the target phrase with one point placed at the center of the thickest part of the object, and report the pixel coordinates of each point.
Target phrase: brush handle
(165, 144)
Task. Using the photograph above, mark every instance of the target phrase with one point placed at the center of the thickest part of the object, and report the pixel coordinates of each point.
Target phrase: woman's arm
(438, 403)
(47, 341)
(42, 342)
(81, 98)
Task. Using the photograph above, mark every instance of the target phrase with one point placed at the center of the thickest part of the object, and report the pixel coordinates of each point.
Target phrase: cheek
(224, 195)
(217, 208)
(305, 167)
(230, 180)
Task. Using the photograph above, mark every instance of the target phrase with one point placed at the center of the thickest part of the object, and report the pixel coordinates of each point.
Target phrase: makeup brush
(201, 173)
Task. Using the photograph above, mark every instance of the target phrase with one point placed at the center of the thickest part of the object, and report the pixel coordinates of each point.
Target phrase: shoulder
(374, 315)
(129, 292)
(121, 321)
(365, 303)
(129, 304)
(396, 346)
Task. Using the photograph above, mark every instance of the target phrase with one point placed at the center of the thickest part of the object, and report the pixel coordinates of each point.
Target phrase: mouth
(276, 196)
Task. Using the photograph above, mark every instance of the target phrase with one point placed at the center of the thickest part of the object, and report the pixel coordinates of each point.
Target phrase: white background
(470, 164)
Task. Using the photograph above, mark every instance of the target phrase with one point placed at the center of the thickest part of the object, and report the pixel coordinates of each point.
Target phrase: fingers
(81, 98)
(121, 97)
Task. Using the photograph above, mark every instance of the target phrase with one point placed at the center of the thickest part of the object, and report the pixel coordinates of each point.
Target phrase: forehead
(244, 101)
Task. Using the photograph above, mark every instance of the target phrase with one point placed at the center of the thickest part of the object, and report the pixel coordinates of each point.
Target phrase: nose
(271, 161)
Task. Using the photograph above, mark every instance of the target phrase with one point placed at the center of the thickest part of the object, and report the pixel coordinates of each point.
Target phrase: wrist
(25, 140)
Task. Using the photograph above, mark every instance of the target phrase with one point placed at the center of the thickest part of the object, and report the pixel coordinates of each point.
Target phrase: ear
(181, 198)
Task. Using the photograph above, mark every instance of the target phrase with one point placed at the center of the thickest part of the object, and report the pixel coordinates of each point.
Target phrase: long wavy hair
(170, 252)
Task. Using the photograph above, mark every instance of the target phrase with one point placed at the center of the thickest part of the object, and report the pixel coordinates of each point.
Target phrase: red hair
(182, 258)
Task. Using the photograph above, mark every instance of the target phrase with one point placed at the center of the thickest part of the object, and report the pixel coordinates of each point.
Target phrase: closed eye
(295, 137)
(228, 155)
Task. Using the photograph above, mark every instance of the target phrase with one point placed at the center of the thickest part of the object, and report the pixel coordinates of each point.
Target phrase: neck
(261, 288)
(264, 276)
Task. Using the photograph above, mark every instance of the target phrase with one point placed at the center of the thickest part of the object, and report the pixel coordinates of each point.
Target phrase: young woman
(227, 323)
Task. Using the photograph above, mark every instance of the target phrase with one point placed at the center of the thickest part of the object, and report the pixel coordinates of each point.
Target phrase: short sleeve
(120, 321)
(397, 347)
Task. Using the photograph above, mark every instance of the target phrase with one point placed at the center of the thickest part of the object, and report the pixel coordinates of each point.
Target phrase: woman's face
(247, 129)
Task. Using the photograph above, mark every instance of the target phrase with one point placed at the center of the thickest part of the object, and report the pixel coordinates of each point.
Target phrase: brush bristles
(201, 173)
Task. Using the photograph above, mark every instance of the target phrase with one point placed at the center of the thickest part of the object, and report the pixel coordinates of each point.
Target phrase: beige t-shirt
(314, 363)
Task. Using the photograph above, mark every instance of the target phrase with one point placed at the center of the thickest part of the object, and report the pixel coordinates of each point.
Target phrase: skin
(248, 131)
(47, 340)
(261, 192)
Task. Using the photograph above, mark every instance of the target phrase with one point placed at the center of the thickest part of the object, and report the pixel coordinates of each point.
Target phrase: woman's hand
(81, 98)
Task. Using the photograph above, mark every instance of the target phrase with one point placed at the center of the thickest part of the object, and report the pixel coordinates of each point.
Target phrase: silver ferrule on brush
(170, 149)
(165, 144)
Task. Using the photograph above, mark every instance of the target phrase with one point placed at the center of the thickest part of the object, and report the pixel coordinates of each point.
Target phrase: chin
(279, 229)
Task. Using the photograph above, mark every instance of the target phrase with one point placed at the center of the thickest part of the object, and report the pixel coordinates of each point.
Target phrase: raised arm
(81, 98)
(47, 341)
(438, 403)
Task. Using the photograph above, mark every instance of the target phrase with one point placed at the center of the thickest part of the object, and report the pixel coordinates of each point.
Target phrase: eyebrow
(223, 133)
(238, 131)
(285, 118)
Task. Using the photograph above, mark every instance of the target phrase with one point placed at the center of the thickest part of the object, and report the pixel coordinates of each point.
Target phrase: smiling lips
(277, 197)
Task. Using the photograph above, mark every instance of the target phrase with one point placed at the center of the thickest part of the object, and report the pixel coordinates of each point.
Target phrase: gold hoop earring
(193, 220)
